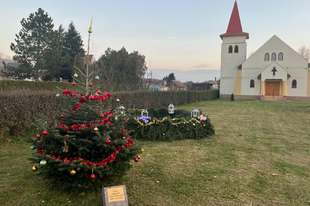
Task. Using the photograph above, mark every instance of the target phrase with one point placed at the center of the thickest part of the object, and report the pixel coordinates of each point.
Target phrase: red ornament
(138, 156)
(92, 176)
(90, 84)
(125, 121)
(38, 136)
(44, 132)
(37, 128)
(98, 92)
(73, 83)
(176, 125)
(108, 141)
(136, 159)
(200, 125)
(162, 125)
(101, 115)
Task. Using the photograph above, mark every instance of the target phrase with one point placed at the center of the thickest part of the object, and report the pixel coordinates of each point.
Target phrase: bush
(232, 98)
(10, 85)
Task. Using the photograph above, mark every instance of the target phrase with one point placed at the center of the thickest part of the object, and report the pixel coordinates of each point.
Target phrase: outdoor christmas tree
(84, 146)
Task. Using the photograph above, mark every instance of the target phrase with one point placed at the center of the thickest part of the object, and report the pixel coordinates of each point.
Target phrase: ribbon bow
(202, 117)
(145, 119)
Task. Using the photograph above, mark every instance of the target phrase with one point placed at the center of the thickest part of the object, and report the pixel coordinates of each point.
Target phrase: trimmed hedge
(19, 108)
(9, 85)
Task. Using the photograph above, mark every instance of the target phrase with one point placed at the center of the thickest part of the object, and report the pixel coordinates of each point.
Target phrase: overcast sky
(177, 35)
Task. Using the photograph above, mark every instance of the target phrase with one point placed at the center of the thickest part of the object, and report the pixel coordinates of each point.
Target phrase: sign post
(115, 196)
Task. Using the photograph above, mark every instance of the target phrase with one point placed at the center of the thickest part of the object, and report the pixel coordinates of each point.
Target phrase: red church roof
(234, 27)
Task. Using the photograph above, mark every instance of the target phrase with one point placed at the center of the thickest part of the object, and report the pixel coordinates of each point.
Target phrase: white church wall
(301, 76)
(292, 62)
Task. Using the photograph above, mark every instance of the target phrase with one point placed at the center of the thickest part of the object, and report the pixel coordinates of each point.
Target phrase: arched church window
(266, 57)
(273, 57)
(294, 83)
(236, 49)
(252, 83)
(230, 49)
(280, 57)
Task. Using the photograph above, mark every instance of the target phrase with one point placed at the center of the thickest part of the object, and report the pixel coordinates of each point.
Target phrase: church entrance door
(272, 88)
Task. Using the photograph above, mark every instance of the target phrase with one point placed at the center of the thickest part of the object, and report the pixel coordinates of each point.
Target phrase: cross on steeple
(274, 71)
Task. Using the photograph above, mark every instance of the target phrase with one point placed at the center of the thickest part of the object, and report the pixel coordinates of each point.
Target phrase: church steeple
(234, 27)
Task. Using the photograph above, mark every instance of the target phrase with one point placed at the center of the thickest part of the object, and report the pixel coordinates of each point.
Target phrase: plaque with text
(115, 196)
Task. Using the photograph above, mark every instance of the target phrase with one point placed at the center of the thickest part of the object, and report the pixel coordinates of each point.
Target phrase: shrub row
(19, 108)
(9, 85)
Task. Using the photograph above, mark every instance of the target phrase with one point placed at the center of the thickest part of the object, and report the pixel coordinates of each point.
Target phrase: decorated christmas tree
(84, 146)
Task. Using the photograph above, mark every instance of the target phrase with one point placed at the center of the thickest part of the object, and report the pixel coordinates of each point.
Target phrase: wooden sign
(115, 196)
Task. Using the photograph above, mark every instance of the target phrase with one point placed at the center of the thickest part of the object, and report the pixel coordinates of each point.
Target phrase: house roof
(234, 27)
(179, 84)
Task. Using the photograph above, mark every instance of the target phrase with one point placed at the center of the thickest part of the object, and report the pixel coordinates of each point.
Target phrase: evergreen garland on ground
(162, 126)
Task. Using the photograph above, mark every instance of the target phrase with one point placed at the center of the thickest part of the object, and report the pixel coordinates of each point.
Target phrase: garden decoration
(144, 113)
(171, 109)
(162, 127)
(195, 113)
(121, 110)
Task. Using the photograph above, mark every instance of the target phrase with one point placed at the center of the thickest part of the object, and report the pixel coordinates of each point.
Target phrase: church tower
(233, 53)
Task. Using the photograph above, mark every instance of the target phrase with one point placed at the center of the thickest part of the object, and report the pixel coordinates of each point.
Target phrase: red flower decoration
(73, 83)
(44, 132)
(108, 141)
(92, 176)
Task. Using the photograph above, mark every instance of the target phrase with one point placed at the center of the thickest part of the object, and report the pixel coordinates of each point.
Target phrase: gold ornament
(117, 100)
(73, 172)
(194, 124)
(204, 125)
(34, 169)
(142, 150)
(124, 137)
(96, 129)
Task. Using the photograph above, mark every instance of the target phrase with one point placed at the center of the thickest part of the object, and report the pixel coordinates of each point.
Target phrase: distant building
(275, 71)
(176, 85)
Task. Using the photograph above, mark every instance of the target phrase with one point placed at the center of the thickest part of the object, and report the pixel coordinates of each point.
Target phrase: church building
(274, 72)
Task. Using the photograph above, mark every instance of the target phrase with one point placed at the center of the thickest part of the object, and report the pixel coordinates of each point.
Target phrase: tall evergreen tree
(57, 60)
(73, 46)
(121, 70)
(31, 42)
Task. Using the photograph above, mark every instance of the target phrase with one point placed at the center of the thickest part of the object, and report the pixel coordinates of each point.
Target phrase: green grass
(260, 149)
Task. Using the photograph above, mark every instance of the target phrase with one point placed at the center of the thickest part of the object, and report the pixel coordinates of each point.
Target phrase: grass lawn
(260, 155)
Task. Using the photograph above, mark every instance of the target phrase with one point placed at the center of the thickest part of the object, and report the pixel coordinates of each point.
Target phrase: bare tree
(304, 52)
